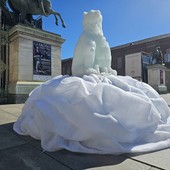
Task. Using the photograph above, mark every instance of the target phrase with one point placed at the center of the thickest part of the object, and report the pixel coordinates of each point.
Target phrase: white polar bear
(92, 53)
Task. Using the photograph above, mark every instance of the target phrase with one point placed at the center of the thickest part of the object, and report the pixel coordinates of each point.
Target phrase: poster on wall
(41, 61)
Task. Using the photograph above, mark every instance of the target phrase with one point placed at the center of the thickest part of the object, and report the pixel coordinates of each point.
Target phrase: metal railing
(4, 56)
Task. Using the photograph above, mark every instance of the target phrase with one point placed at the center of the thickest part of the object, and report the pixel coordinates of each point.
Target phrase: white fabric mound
(96, 114)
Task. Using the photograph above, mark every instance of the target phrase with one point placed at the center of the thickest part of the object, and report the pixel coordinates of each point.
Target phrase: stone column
(21, 76)
(156, 77)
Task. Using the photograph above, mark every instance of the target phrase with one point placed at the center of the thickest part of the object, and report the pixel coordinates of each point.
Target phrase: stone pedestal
(156, 77)
(22, 79)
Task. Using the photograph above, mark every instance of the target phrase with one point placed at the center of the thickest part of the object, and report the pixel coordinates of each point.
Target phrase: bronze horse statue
(24, 9)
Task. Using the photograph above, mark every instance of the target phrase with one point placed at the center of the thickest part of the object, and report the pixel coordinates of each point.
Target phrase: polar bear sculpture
(92, 52)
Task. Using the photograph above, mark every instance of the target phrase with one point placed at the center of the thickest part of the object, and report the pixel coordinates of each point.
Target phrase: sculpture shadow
(80, 161)
(76, 161)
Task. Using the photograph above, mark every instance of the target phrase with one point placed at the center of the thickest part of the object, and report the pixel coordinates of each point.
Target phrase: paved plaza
(24, 153)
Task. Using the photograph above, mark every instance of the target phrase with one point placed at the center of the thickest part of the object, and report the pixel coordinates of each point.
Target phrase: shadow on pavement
(24, 152)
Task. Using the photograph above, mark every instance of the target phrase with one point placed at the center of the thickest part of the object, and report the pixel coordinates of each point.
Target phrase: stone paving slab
(8, 126)
(6, 117)
(80, 161)
(159, 159)
(166, 97)
(10, 113)
(8, 139)
(33, 142)
(26, 157)
(26, 139)
(13, 109)
(154, 168)
(128, 167)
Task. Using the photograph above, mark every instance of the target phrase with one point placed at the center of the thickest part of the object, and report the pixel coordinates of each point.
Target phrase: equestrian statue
(23, 10)
(157, 56)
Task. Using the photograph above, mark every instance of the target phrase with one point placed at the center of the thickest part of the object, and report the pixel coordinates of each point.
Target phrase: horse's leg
(62, 21)
(56, 20)
(56, 13)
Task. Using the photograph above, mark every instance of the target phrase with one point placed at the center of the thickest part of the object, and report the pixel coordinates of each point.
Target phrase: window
(119, 63)
(167, 55)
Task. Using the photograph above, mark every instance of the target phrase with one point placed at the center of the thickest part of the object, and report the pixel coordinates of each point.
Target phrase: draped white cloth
(96, 114)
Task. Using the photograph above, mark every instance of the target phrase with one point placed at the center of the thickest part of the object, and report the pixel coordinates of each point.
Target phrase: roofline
(142, 41)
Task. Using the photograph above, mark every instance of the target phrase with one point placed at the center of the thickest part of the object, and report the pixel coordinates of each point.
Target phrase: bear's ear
(98, 12)
(92, 11)
(85, 13)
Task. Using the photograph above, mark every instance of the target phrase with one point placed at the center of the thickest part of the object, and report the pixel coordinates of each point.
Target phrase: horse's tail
(6, 11)
(12, 7)
(43, 9)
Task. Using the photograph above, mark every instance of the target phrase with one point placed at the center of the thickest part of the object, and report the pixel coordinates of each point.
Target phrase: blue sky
(124, 21)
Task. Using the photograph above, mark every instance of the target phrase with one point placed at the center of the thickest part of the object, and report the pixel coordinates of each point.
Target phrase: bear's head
(92, 22)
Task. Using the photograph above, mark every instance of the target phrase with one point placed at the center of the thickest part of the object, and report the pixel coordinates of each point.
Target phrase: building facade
(147, 45)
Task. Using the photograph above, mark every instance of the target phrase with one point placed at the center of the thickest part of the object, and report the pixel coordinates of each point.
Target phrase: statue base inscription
(34, 57)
